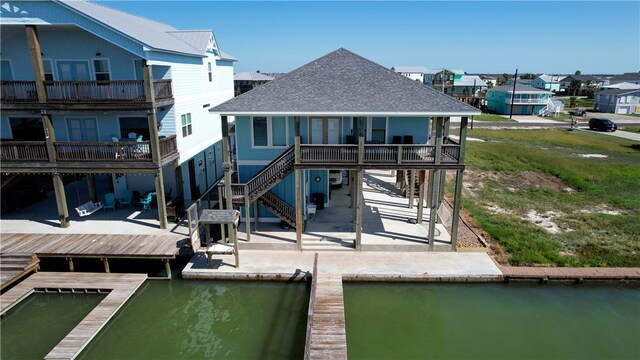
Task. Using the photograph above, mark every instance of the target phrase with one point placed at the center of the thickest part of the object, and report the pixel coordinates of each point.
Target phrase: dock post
(105, 262)
(412, 188)
(298, 176)
(223, 232)
(420, 196)
(458, 190)
(167, 268)
(256, 211)
(247, 209)
(70, 261)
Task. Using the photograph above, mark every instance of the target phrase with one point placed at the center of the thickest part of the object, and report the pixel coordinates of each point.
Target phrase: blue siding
(168, 120)
(418, 127)
(5, 127)
(108, 126)
(54, 13)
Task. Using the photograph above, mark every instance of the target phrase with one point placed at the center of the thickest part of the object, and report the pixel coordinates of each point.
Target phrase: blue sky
(479, 37)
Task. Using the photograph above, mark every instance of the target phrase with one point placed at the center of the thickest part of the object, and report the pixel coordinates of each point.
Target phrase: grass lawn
(630, 128)
(636, 115)
(545, 197)
(565, 117)
(491, 117)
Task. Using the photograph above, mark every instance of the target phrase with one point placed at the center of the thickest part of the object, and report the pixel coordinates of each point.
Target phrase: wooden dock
(13, 267)
(97, 246)
(120, 287)
(326, 332)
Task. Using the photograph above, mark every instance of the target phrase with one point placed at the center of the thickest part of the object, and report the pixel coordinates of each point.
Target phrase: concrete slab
(532, 119)
(353, 266)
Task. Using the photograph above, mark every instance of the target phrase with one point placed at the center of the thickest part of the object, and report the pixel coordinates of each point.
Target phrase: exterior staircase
(258, 187)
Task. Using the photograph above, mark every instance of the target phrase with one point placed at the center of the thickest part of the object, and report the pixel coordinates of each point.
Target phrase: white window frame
(89, 67)
(369, 133)
(270, 134)
(133, 61)
(53, 65)
(93, 67)
(210, 71)
(182, 126)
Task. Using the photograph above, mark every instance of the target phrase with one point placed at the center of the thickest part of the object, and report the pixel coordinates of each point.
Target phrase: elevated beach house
(527, 100)
(339, 112)
(89, 90)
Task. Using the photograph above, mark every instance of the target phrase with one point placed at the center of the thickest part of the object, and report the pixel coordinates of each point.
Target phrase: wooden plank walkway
(569, 273)
(15, 266)
(121, 286)
(93, 245)
(327, 338)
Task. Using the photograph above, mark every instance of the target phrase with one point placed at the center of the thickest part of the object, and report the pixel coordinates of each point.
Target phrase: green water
(36, 325)
(492, 321)
(188, 319)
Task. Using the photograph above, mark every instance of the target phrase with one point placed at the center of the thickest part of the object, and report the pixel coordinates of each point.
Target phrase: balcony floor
(42, 217)
(385, 223)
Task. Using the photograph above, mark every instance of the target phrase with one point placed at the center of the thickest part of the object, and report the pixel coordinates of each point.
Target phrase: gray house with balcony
(617, 101)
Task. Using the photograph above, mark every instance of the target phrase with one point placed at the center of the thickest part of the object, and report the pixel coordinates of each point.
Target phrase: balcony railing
(73, 92)
(89, 151)
(24, 151)
(526, 101)
(377, 154)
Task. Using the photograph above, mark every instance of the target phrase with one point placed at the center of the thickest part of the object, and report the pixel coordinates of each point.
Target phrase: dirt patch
(546, 221)
(601, 209)
(601, 156)
(475, 181)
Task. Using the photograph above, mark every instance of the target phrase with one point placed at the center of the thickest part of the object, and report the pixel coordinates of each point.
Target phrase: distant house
(632, 77)
(246, 81)
(442, 79)
(578, 84)
(548, 82)
(412, 72)
(490, 80)
(621, 86)
(618, 101)
(527, 99)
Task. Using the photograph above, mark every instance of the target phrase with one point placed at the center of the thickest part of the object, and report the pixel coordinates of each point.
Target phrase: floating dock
(120, 287)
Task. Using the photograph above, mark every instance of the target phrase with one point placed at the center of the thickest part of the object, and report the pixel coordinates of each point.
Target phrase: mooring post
(70, 261)
(167, 267)
(105, 262)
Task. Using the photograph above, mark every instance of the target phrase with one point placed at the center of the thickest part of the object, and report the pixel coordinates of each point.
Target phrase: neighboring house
(548, 82)
(490, 80)
(412, 72)
(617, 101)
(246, 81)
(577, 85)
(99, 91)
(336, 113)
(468, 88)
(442, 79)
(621, 86)
(631, 77)
(527, 100)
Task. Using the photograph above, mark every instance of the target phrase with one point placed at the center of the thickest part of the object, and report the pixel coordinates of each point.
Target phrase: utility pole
(513, 94)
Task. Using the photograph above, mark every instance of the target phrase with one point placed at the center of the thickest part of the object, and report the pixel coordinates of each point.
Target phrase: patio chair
(127, 198)
(109, 201)
(146, 202)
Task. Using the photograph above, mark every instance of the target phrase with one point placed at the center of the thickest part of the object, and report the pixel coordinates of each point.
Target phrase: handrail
(23, 151)
(22, 91)
(278, 168)
(103, 151)
(287, 211)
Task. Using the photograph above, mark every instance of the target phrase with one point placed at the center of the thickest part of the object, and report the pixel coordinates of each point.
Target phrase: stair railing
(280, 207)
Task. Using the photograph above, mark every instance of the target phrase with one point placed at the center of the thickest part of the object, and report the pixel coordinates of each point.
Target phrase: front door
(325, 130)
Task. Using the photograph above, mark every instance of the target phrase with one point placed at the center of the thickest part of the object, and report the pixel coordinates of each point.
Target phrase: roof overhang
(342, 113)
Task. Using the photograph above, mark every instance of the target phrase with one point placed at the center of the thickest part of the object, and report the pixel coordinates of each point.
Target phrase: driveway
(617, 118)
(635, 136)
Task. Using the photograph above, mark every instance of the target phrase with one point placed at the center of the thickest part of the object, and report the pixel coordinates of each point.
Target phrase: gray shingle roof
(344, 83)
(154, 34)
(251, 76)
(617, 91)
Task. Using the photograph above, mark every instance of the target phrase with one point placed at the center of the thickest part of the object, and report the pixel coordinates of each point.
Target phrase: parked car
(578, 112)
(335, 178)
(602, 124)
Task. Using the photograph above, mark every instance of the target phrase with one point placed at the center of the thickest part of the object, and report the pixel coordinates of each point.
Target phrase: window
(186, 124)
(101, 68)
(378, 130)
(210, 72)
(5, 70)
(47, 66)
(269, 132)
(82, 129)
(134, 124)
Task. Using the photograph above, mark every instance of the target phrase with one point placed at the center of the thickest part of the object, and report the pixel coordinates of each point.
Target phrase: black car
(602, 124)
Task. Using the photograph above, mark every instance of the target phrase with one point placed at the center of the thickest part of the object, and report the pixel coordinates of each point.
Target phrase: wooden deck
(96, 246)
(15, 266)
(120, 286)
(93, 245)
(326, 335)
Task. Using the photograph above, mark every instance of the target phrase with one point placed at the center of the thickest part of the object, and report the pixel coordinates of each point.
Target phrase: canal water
(492, 321)
(38, 323)
(186, 319)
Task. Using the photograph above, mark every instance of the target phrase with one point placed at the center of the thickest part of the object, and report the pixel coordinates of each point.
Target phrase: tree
(574, 87)
(578, 72)
(502, 79)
